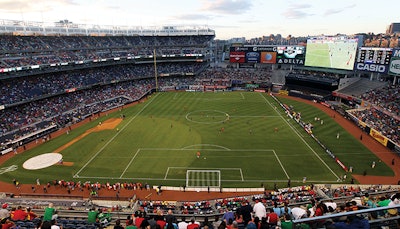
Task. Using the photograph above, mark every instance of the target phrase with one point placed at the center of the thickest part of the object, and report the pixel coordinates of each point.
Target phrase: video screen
(331, 52)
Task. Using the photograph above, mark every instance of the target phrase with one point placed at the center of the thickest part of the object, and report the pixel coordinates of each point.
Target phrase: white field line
(283, 168)
(112, 139)
(241, 174)
(166, 174)
(202, 168)
(170, 179)
(129, 164)
(301, 138)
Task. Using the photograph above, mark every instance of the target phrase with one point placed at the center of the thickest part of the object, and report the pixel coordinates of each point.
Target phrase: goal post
(203, 178)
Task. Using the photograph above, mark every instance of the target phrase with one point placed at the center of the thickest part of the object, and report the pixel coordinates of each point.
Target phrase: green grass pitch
(234, 131)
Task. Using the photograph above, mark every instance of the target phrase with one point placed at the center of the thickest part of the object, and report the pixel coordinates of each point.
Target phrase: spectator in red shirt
(160, 219)
(7, 224)
(139, 219)
(193, 225)
(30, 214)
(19, 214)
(272, 218)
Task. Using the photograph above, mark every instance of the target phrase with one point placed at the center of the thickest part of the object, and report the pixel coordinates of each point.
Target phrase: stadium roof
(65, 27)
(328, 70)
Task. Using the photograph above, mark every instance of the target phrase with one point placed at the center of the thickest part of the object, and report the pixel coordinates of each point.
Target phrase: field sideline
(235, 131)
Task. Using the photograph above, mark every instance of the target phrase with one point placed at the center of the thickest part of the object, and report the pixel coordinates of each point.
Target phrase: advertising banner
(290, 55)
(237, 57)
(268, 57)
(394, 67)
(379, 137)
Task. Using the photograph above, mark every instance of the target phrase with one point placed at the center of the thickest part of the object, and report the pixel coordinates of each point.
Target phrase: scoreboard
(374, 55)
(373, 59)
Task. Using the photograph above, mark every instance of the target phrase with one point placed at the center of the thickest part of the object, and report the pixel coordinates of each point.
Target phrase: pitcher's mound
(42, 161)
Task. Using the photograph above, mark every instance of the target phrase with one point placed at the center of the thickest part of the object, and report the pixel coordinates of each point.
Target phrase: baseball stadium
(168, 123)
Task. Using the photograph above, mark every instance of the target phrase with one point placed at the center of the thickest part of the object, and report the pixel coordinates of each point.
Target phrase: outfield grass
(235, 133)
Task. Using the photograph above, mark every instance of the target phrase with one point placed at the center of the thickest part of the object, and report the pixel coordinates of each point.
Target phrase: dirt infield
(109, 124)
(382, 152)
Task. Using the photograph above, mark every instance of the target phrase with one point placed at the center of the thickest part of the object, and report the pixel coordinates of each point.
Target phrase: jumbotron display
(373, 59)
(331, 52)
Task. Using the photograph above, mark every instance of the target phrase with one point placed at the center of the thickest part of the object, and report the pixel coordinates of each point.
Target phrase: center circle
(207, 116)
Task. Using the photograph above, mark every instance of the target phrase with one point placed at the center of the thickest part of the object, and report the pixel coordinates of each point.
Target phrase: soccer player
(198, 154)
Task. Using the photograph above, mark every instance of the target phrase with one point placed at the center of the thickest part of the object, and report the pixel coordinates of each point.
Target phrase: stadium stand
(361, 86)
(50, 71)
(50, 82)
(386, 97)
(372, 203)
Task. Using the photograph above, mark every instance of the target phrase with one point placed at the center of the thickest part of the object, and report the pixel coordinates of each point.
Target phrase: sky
(229, 18)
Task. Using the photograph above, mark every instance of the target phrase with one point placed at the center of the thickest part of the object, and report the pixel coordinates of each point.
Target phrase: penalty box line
(202, 168)
(183, 149)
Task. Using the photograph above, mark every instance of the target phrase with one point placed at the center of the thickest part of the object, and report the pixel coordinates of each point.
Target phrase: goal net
(203, 178)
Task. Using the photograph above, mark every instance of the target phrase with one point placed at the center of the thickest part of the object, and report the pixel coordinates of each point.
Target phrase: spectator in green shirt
(92, 215)
(286, 223)
(130, 225)
(49, 213)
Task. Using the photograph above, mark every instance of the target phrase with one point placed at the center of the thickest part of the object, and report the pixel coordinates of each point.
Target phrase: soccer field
(244, 136)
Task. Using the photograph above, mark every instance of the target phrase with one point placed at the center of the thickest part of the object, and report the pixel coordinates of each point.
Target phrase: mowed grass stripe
(251, 126)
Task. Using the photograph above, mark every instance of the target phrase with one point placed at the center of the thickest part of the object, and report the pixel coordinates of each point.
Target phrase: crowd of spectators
(239, 212)
(61, 99)
(233, 77)
(344, 191)
(257, 212)
(386, 124)
(18, 51)
(382, 111)
(388, 98)
(23, 89)
(73, 96)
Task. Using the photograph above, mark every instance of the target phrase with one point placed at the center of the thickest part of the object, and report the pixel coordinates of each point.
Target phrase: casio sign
(371, 67)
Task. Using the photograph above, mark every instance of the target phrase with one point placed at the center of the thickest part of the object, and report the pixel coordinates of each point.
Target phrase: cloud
(227, 6)
(296, 11)
(22, 6)
(193, 17)
(338, 10)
